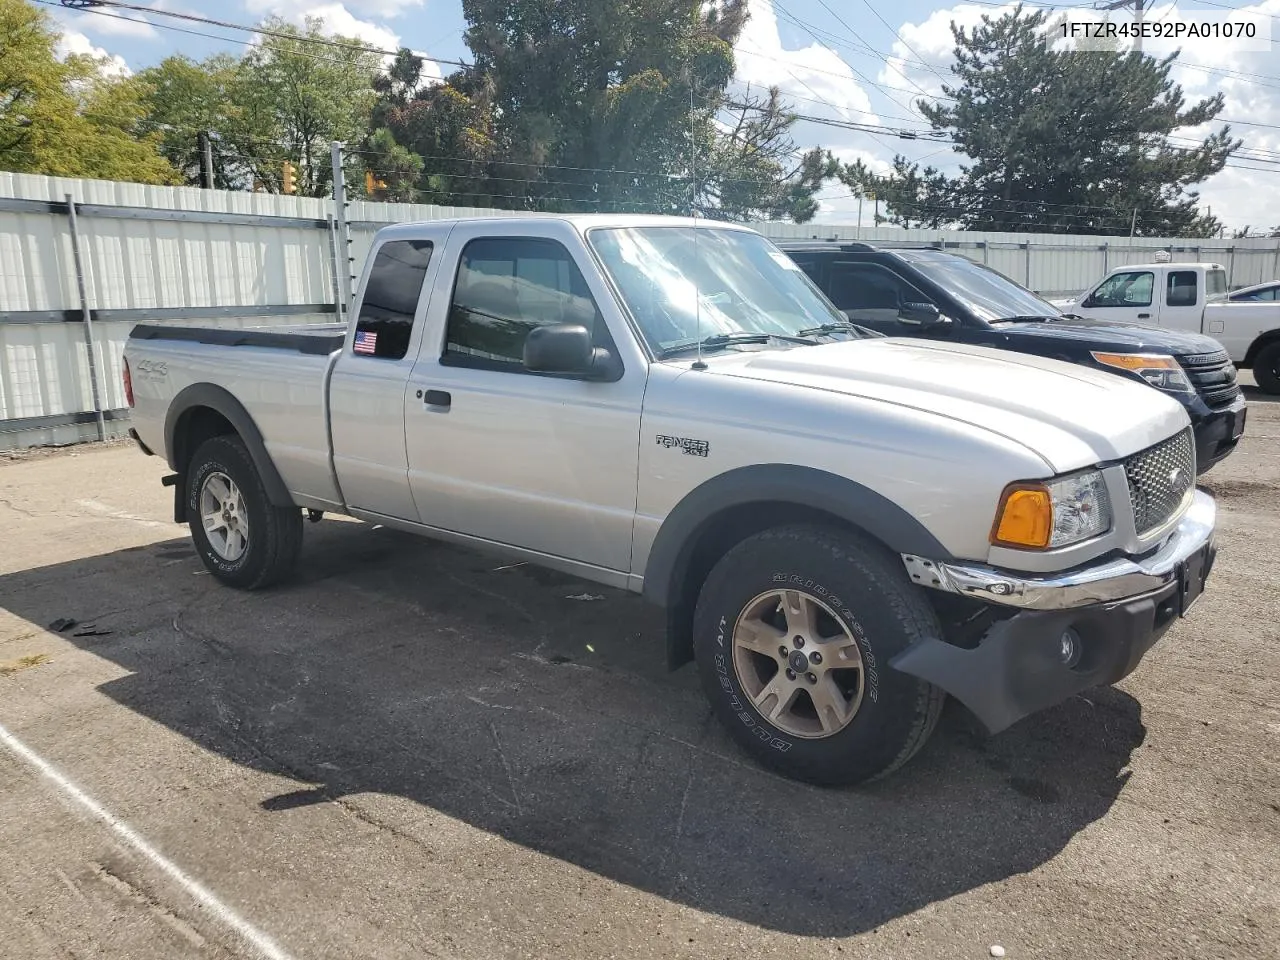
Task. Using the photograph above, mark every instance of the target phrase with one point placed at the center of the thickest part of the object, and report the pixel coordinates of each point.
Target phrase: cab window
(385, 321)
(1181, 291)
(1130, 289)
(505, 288)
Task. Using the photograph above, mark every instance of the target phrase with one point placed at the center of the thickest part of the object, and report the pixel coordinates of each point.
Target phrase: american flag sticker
(366, 342)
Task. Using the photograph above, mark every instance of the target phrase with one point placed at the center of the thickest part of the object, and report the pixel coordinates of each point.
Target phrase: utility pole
(1133, 224)
(206, 160)
(1139, 7)
(345, 260)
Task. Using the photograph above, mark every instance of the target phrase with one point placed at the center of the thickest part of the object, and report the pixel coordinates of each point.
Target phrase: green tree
(184, 99)
(66, 118)
(291, 101)
(585, 105)
(1058, 141)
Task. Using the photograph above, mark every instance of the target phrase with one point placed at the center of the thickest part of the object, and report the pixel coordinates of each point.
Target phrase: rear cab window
(385, 322)
(1215, 284)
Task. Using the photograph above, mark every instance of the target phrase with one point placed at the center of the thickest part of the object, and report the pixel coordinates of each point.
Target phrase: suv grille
(1161, 479)
(1213, 376)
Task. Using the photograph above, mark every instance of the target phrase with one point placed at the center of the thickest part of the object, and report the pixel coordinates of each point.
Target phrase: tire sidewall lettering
(836, 603)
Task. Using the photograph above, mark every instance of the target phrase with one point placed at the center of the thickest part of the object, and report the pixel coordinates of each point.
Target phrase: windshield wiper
(732, 339)
(1033, 318)
(847, 326)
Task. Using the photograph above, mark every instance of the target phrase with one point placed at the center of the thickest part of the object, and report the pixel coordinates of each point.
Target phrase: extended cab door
(1127, 296)
(367, 389)
(546, 463)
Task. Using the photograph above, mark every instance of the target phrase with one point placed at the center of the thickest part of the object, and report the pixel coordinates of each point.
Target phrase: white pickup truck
(842, 527)
(1189, 296)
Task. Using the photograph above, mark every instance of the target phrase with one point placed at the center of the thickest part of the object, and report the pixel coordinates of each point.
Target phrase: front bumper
(1217, 431)
(1109, 614)
(1106, 582)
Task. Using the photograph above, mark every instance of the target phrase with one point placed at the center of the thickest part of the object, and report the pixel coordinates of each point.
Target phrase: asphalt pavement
(412, 750)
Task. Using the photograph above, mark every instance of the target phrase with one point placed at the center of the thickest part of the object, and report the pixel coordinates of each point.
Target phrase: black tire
(275, 533)
(860, 581)
(1266, 368)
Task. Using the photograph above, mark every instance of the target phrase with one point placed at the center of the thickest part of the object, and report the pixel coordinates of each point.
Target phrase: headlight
(1160, 371)
(1052, 513)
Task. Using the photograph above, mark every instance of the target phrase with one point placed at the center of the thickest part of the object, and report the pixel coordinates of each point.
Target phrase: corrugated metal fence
(187, 256)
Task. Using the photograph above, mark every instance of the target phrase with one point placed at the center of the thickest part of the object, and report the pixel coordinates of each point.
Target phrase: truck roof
(581, 221)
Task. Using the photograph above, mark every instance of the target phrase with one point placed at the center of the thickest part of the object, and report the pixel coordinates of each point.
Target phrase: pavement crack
(511, 780)
(131, 891)
(17, 509)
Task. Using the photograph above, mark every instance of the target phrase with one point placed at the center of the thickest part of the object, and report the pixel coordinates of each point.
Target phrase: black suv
(922, 291)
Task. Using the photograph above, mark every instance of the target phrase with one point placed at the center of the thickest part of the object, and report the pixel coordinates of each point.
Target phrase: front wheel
(243, 538)
(793, 633)
(1266, 368)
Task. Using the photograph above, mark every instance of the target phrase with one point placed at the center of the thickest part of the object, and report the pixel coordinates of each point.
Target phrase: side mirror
(567, 348)
(921, 314)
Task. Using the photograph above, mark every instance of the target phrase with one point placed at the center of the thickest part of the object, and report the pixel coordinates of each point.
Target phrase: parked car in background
(842, 529)
(931, 294)
(1258, 293)
(1191, 297)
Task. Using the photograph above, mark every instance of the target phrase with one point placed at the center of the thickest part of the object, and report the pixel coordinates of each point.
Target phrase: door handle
(437, 398)
(1144, 316)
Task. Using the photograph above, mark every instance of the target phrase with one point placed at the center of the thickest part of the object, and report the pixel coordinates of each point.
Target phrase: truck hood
(1070, 416)
(1109, 335)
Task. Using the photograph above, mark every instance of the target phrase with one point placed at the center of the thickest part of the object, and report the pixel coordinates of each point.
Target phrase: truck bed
(279, 374)
(312, 338)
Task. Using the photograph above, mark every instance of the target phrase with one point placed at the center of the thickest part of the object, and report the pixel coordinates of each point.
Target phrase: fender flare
(839, 496)
(221, 401)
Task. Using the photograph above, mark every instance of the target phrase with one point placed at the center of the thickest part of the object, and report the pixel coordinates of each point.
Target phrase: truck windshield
(989, 295)
(681, 288)
(1215, 284)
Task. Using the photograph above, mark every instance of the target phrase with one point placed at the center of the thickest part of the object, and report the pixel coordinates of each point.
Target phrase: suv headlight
(1045, 514)
(1162, 372)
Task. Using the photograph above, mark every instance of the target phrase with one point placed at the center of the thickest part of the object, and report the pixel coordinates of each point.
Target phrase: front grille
(1161, 479)
(1213, 376)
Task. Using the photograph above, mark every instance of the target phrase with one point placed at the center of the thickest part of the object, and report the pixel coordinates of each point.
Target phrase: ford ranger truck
(1191, 296)
(924, 292)
(843, 529)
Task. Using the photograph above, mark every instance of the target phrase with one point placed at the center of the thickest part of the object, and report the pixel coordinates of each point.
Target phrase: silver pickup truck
(843, 528)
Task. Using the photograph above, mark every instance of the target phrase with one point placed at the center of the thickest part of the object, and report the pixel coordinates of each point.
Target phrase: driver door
(874, 296)
(542, 462)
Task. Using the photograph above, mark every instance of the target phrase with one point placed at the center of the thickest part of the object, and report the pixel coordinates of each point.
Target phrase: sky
(867, 61)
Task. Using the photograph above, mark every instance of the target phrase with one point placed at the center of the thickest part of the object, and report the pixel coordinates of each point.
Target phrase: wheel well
(1262, 340)
(712, 540)
(195, 427)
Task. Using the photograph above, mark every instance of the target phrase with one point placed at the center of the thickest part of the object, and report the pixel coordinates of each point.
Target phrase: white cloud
(337, 20)
(72, 43)
(809, 74)
(128, 24)
(378, 8)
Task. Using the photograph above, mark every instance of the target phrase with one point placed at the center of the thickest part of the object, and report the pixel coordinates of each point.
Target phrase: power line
(910, 48)
(90, 6)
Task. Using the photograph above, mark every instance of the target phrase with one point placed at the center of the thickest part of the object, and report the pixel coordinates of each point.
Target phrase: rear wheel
(243, 539)
(1266, 368)
(793, 633)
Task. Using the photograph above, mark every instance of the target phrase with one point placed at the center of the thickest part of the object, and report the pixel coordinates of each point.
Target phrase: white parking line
(106, 510)
(254, 937)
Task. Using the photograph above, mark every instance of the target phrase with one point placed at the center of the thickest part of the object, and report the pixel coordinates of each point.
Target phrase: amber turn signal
(1024, 517)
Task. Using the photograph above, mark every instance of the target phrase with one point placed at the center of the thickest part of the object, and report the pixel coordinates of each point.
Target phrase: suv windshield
(681, 288)
(989, 295)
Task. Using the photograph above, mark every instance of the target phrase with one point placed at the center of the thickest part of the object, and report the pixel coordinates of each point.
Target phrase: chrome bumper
(1106, 582)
